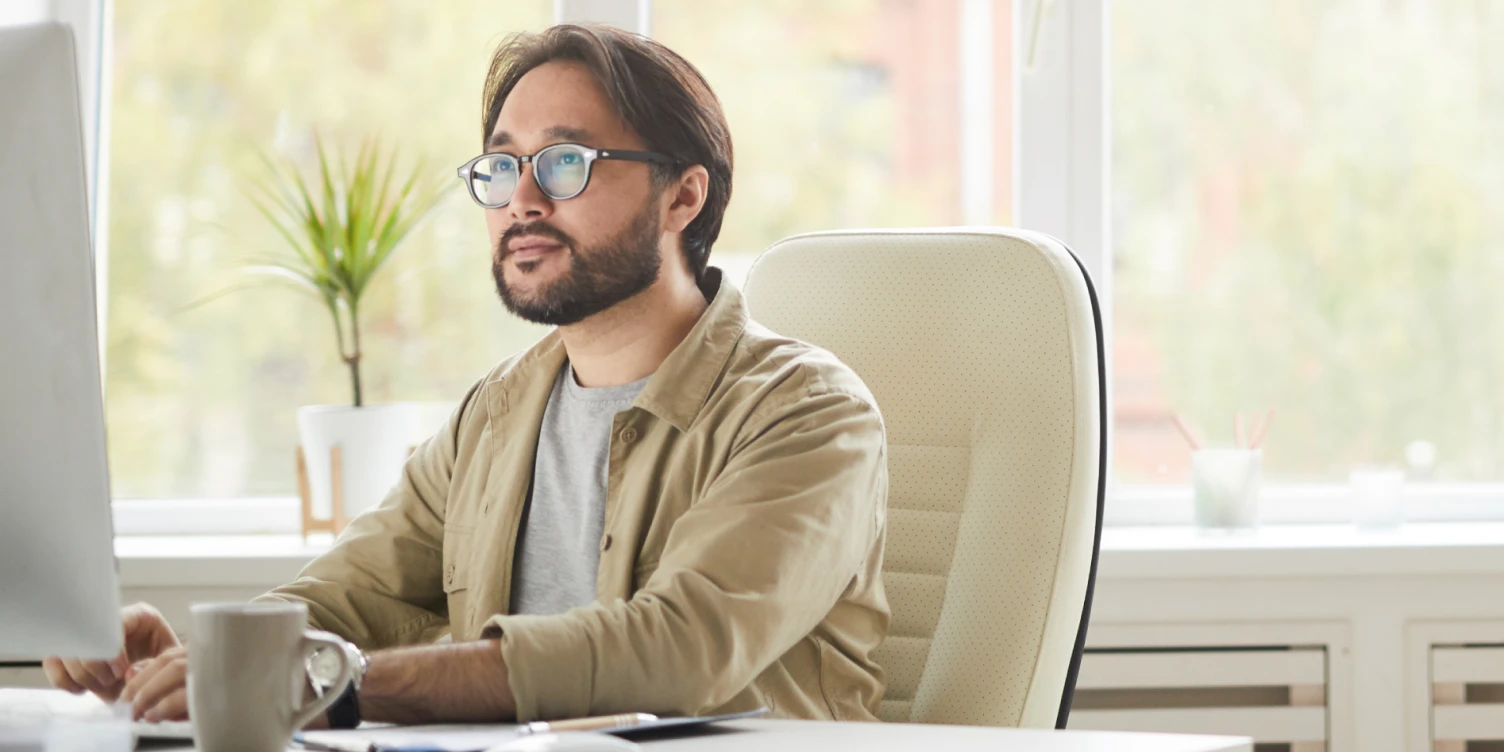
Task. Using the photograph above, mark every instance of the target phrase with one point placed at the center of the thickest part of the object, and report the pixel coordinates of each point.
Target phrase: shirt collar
(678, 389)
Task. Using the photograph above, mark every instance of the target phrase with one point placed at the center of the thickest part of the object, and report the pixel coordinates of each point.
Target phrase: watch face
(323, 667)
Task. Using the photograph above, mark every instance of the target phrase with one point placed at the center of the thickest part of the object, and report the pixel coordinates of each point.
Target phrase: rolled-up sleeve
(751, 568)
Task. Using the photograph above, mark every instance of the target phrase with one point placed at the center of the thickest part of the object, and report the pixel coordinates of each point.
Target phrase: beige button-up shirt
(742, 554)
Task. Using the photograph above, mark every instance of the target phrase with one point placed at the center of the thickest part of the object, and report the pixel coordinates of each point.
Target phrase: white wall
(14, 12)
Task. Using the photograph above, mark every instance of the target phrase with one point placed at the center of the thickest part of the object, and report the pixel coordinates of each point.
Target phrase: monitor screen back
(58, 585)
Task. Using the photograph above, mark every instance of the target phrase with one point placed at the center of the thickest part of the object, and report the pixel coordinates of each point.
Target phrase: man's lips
(531, 248)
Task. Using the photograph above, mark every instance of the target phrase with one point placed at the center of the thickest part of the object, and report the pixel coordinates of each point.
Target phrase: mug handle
(313, 640)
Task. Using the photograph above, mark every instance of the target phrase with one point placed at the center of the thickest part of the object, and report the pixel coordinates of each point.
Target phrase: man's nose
(528, 202)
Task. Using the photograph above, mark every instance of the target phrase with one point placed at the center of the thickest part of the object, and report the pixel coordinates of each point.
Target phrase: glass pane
(844, 114)
(1305, 203)
(201, 390)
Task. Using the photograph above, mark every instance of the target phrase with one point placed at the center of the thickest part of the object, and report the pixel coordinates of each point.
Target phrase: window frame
(1062, 52)
(1061, 104)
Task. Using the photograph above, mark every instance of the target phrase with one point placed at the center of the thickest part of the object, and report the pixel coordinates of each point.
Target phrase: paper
(445, 738)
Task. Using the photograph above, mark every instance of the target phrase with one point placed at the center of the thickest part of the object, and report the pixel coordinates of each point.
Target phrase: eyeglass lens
(494, 179)
(561, 172)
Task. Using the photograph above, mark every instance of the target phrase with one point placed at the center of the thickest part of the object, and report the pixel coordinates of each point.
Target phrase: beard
(598, 277)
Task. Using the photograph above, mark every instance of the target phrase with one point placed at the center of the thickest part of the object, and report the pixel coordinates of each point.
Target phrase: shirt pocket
(457, 582)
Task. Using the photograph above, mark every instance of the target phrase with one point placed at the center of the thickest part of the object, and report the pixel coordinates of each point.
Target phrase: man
(662, 506)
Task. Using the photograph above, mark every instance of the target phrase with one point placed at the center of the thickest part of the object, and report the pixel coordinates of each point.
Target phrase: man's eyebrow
(565, 133)
(555, 133)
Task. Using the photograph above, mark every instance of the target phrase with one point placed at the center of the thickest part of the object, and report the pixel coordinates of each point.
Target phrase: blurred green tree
(1306, 203)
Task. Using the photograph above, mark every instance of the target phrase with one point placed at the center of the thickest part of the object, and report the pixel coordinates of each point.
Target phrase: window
(201, 398)
(1300, 208)
(1305, 203)
(850, 114)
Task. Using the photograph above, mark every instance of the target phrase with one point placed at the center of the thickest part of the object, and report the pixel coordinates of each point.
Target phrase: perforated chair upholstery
(983, 348)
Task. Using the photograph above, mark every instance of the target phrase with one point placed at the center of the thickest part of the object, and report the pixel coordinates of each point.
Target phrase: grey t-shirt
(558, 544)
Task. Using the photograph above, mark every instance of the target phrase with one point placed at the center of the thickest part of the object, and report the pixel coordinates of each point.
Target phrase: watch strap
(345, 712)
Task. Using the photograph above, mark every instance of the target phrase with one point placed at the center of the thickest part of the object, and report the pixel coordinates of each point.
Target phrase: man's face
(557, 262)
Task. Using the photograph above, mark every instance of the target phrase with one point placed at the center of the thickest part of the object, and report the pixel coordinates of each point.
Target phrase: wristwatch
(323, 671)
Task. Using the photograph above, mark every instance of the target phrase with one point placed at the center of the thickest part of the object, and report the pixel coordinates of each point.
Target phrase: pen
(596, 723)
(327, 746)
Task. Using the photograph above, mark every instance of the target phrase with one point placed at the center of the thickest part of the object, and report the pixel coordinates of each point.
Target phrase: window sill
(1321, 550)
(1128, 553)
(1135, 506)
(259, 517)
(257, 561)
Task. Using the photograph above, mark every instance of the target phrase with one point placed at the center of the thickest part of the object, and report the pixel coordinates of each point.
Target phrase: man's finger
(103, 673)
(58, 676)
(86, 678)
(139, 675)
(169, 678)
(172, 707)
(147, 633)
(119, 666)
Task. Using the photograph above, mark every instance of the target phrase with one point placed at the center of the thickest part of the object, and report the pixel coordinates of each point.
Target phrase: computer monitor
(58, 589)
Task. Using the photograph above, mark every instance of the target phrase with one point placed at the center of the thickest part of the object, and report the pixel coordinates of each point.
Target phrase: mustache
(539, 229)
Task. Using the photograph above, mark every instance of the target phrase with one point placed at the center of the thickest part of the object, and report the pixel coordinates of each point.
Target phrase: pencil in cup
(1192, 436)
(1260, 429)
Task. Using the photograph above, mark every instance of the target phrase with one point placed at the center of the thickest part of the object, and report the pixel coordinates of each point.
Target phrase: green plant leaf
(211, 297)
(340, 226)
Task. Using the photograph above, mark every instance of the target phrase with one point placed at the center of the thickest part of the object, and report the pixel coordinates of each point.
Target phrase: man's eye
(569, 158)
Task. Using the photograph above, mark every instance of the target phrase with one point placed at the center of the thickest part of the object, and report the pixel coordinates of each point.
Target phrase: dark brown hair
(660, 96)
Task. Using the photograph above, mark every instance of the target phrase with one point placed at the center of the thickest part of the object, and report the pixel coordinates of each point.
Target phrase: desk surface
(803, 736)
(827, 736)
(817, 736)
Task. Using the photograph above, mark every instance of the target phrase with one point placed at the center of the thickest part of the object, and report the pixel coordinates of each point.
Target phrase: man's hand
(157, 689)
(147, 636)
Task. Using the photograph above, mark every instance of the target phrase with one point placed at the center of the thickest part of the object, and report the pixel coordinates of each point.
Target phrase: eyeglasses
(562, 171)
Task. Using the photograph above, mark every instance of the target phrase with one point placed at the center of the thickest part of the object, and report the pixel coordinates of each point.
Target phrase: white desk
(805, 736)
(819, 736)
(828, 736)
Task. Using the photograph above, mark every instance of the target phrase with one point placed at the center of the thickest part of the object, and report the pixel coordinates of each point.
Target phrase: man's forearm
(460, 682)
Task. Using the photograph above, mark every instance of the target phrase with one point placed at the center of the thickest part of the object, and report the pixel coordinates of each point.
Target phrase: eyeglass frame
(466, 171)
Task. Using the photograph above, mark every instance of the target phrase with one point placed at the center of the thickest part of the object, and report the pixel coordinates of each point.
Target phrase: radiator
(1275, 694)
(1467, 697)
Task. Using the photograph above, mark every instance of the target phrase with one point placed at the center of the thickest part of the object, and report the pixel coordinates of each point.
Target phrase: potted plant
(340, 229)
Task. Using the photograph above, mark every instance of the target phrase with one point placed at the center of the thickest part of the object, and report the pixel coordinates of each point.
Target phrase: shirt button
(606, 543)
(449, 575)
(628, 435)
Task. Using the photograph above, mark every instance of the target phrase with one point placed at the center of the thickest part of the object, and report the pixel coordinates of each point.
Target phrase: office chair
(984, 349)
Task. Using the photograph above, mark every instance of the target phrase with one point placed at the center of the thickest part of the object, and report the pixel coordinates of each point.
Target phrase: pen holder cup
(1225, 484)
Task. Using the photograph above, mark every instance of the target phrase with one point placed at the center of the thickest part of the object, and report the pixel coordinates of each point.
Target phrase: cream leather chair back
(983, 347)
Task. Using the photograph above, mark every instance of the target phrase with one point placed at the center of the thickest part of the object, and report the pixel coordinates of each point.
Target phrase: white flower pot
(374, 441)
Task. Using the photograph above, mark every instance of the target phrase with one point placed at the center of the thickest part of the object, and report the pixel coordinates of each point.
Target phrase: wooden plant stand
(337, 518)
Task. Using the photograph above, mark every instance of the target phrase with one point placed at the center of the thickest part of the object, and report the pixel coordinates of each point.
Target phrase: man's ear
(686, 198)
